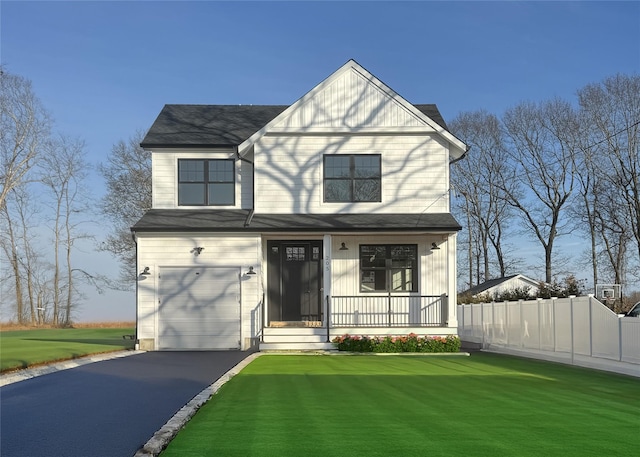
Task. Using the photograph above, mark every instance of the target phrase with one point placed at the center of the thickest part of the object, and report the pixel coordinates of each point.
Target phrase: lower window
(388, 268)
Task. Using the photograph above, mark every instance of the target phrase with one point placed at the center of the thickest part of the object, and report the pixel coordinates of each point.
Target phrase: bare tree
(24, 125)
(484, 206)
(17, 241)
(64, 170)
(611, 112)
(10, 248)
(128, 179)
(542, 146)
(585, 213)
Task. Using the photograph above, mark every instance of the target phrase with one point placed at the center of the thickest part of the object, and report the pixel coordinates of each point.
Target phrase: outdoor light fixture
(145, 272)
(434, 247)
(250, 272)
(197, 250)
(344, 247)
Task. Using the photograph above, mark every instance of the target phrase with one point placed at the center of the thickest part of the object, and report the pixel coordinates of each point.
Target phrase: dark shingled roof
(161, 220)
(480, 288)
(208, 125)
(222, 125)
(432, 111)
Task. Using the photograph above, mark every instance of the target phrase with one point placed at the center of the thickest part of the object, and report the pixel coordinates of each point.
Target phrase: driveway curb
(168, 431)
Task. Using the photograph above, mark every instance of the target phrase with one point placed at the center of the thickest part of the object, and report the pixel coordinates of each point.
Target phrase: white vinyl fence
(580, 331)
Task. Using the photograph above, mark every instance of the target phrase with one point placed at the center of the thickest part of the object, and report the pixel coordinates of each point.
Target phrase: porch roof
(178, 220)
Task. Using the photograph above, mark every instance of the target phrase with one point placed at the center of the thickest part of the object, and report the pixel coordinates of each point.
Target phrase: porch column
(452, 288)
(326, 276)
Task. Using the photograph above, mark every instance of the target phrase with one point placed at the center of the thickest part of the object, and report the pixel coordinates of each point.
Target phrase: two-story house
(286, 226)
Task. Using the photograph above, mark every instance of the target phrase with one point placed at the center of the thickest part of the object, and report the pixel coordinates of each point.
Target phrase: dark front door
(294, 280)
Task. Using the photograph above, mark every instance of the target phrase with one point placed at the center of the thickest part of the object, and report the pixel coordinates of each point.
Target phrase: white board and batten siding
(350, 99)
(434, 273)
(198, 302)
(345, 269)
(165, 177)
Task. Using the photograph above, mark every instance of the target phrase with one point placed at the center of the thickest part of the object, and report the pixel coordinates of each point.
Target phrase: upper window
(352, 178)
(388, 268)
(206, 182)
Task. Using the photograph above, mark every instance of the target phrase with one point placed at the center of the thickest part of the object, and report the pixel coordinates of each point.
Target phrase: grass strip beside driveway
(483, 405)
(25, 348)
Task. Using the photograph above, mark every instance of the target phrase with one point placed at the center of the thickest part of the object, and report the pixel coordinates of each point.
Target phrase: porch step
(295, 331)
(293, 346)
(295, 339)
(295, 335)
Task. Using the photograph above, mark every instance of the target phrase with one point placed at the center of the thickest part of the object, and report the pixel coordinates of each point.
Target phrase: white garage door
(199, 308)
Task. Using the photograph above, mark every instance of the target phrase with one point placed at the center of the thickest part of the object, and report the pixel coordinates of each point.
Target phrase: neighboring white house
(494, 287)
(289, 225)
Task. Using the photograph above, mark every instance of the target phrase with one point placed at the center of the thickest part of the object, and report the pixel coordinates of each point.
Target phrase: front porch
(373, 315)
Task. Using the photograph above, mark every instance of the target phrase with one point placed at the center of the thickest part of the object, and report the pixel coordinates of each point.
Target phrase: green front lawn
(23, 348)
(482, 405)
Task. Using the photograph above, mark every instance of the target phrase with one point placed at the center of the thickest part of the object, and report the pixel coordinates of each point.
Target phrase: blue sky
(105, 69)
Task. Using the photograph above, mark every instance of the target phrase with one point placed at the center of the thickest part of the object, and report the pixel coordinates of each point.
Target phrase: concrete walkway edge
(161, 439)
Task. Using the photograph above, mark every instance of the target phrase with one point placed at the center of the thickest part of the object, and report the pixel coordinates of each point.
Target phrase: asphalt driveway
(104, 409)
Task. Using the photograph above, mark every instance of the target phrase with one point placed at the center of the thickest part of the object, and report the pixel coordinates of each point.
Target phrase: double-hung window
(352, 178)
(206, 182)
(388, 268)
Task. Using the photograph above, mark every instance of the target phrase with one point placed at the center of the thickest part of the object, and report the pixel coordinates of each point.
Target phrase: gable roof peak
(351, 112)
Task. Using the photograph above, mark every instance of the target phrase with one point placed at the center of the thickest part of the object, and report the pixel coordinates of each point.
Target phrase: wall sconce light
(197, 250)
(145, 272)
(344, 247)
(250, 272)
(434, 247)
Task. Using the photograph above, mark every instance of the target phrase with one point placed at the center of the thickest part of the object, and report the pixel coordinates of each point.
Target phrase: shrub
(394, 344)
(514, 294)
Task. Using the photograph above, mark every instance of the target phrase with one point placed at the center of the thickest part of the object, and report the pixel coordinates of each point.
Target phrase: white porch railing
(388, 310)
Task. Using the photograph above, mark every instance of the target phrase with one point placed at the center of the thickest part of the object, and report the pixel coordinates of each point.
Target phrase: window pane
(373, 280)
(190, 194)
(296, 254)
(191, 170)
(337, 190)
(221, 194)
(366, 166)
(388, 268)
(366, 190)
(220, 171)
(361, 175)
(372, 256)
(402, 280)
(337, 167)
(403, 252)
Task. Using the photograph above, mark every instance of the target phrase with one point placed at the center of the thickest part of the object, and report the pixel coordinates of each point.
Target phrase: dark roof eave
(186, 146)
(219, 221)
(296, 229)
